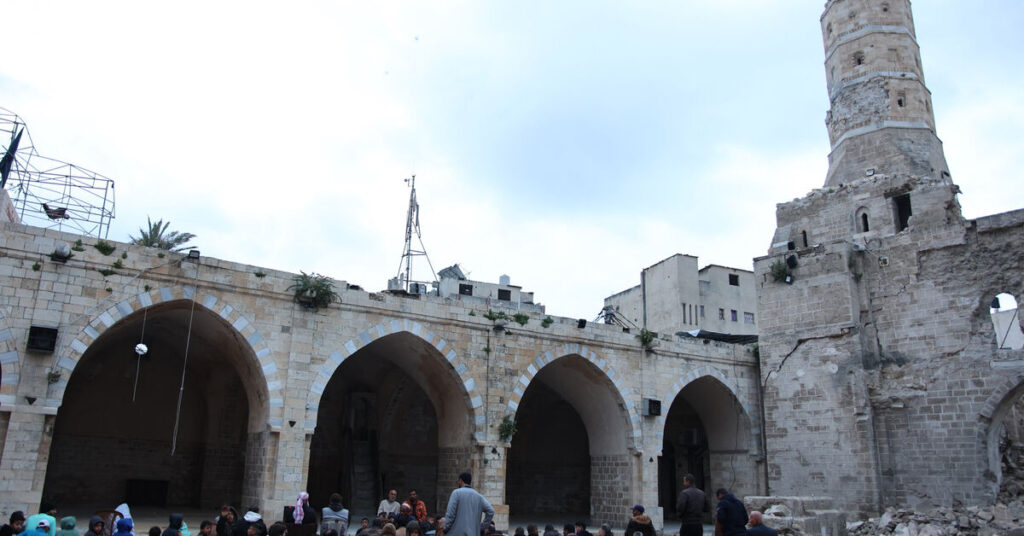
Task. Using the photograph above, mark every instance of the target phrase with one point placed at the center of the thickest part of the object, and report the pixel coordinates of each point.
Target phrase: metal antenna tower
(412, 225)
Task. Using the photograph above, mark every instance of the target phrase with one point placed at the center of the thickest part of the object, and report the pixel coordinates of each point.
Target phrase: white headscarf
(299, 511)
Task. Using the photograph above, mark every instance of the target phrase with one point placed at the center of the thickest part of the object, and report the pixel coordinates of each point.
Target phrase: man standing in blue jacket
(465, 506)
(730, 516)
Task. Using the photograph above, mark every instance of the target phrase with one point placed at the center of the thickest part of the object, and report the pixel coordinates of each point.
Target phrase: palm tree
(156, 236)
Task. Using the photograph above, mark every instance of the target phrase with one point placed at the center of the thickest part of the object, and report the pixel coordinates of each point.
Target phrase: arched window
(862, 220)
(1006, 322)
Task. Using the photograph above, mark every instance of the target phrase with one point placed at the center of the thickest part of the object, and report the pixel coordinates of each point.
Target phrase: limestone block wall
(286, 355)
(880, 370)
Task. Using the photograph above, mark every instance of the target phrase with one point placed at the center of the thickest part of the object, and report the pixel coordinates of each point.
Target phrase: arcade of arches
(113, 438)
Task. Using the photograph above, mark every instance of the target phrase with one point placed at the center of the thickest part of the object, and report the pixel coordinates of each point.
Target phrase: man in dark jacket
(641, 523)
(16, 525)
(730, 516)
(690, 506)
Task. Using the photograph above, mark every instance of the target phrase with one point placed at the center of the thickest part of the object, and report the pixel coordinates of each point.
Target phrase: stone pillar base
(501, 517)
(812, 515)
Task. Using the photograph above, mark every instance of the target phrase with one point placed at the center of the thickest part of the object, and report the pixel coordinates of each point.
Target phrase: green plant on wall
(547, 322)
(507, 429)
(492, 316)
(104, 247)
(521, 318)
(78, 246)
(779, 271)
(646, 337)
(313, 291)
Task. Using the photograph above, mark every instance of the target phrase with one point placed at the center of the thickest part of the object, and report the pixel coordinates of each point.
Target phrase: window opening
(864, 223)
(465, 290)
(1006, 322)
(721, 314)
(804, 235)
(858, 58)
(702, 311)
(734, 316)
(903, 212)
(504, 294)
(901, 99)
(734, 280)
(748, 318)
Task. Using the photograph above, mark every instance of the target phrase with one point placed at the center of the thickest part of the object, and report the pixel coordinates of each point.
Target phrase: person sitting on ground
(241, 528)
(15, 525)
(334, 516)
(390, 505)
(155, 531)
(730, 515)
(404, 516)
(531, 530)
(520, 531)
(47, 511)
(257, 528)
(278, 529)
(174, 525)
(757, 526)
(549, 530)
(568, 529)
(364, 524)
(389, 530)
(227, 519)
(641, 523)
(581, 529)
(419, 508)
(413, 528)
(67, 526)
(302, 513)
(605, 530)
(206, 528)
(42, 528)
(124, 527)
(95, 528)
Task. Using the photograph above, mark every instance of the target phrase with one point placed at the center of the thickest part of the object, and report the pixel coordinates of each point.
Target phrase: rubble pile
(999, 519)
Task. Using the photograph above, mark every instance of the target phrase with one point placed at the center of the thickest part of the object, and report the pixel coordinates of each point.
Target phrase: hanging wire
(138, 356)
(184, 365)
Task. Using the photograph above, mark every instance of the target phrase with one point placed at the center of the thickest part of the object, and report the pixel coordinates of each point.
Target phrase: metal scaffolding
(51, 193)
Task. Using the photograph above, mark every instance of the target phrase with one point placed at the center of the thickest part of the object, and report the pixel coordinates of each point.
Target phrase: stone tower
(882, 383)
(881, 118)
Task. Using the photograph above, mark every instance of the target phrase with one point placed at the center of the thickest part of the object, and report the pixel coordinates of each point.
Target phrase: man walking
(465, 507)
(730, 516)
(690, 506)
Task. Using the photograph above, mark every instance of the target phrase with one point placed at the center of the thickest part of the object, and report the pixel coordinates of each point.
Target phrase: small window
(803, 234)
(721, 314)
(901, 99)
(748, 318)
(504, 294)
(885, 7)
(858, 58)
(902, 211)
(734, 316)
(684, 314)
(1006, 322)
(465, 290)
(828, 28)
(862, 220)
(734, 280)
(702, 311)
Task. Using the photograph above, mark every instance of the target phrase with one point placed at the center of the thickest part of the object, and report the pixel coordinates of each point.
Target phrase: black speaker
(791, 261)
(41, 339)
(651, 407)
(581, 323)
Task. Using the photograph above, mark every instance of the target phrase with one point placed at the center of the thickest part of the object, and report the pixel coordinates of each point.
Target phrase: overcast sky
(566, 144)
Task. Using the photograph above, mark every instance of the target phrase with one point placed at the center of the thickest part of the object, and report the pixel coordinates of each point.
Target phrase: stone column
(492, 481)
(25, 454)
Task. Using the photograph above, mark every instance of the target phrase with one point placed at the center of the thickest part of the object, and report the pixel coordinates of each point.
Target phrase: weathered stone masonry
(286, 356)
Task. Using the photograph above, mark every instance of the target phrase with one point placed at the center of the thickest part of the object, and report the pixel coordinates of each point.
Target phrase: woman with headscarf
(303, 514)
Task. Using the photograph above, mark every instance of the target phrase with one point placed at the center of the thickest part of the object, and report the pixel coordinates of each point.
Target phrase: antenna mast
(412, 225)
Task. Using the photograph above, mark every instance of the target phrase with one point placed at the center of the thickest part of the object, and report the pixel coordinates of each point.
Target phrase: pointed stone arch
(387, 327)
(70, 353)
(625, 395)
(754, 427)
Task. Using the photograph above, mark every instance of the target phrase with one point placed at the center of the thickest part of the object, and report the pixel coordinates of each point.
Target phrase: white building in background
(453, 283)
(674, 295)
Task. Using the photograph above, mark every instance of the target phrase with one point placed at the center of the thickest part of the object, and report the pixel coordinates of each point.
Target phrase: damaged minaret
(882, 381)
(881, 118)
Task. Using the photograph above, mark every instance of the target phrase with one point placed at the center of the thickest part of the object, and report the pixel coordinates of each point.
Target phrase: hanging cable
(184, 365)
(140, 350)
